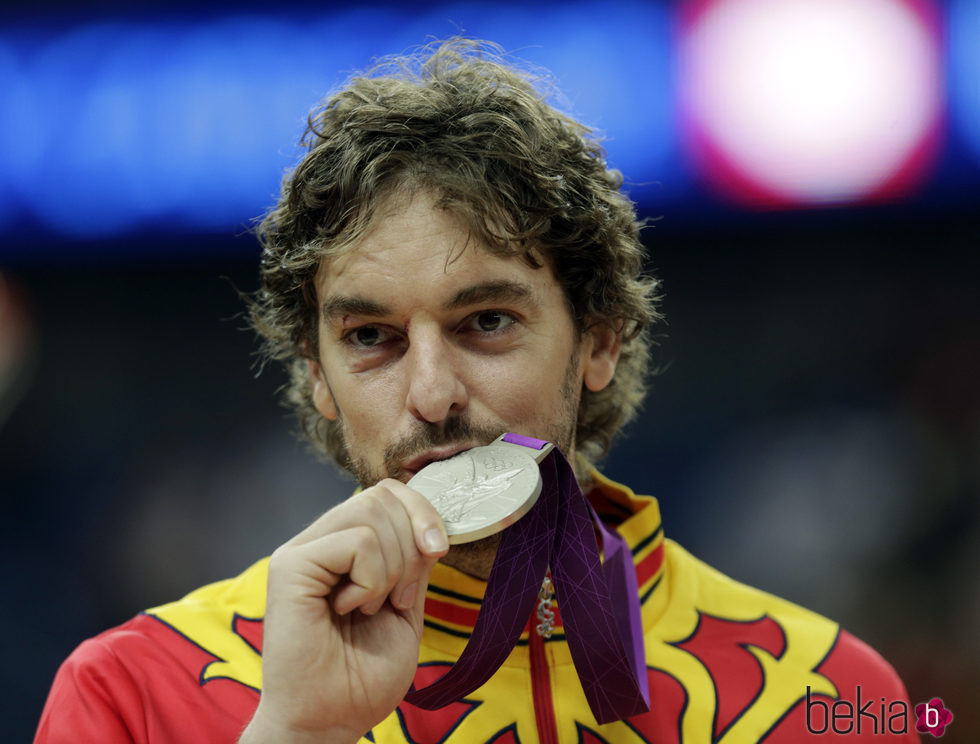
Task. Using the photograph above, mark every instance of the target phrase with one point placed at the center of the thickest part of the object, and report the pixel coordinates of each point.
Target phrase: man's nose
(435, 388)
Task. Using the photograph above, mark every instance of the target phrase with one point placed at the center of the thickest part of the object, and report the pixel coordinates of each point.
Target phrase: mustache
(453, 431)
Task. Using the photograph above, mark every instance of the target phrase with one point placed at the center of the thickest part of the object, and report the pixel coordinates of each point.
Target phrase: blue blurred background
(814, 179)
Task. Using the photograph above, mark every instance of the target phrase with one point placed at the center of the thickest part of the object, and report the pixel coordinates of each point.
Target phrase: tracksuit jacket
(726, 664)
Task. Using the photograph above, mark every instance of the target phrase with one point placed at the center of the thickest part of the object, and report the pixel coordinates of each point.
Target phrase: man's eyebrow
(496, 291)
(341, 305)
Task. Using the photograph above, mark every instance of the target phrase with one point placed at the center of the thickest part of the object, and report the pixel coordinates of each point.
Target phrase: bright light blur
(811, 101)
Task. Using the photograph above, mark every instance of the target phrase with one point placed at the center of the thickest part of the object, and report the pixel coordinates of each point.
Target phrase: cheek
(529, 392)
(368, 403)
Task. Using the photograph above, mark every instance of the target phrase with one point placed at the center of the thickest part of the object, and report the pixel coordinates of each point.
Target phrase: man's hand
(343, 617)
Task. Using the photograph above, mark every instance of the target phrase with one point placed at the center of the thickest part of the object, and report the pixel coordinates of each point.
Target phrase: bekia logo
(874, 716)
(932, 718)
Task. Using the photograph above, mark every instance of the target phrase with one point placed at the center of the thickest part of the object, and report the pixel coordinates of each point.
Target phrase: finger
(384, 564)
(425, 518)
(384, 513)
(348, 513)
(407, 529)
(415, 530)
(416, 612)
(350, 596)
(355, 570)
(404, 563)
(427, 526)
(411, 596)
(377, 509)
(423, 541)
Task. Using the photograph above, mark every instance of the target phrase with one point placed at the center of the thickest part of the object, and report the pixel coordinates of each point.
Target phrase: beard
(474, 558)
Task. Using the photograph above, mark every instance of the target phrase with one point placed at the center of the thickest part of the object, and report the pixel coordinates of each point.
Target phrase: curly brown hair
(457, 121)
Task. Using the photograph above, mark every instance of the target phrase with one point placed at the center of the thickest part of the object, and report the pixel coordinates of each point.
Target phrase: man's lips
(411, 467)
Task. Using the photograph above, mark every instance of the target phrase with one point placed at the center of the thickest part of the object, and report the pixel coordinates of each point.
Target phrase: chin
(474, 558)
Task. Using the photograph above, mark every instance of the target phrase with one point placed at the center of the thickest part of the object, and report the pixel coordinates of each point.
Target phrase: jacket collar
(453, 598)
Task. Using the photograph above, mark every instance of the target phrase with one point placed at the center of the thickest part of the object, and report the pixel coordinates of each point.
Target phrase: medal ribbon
(599, 601)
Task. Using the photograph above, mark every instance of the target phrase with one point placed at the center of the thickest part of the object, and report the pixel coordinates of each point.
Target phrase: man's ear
(322, 397)
(600, 364)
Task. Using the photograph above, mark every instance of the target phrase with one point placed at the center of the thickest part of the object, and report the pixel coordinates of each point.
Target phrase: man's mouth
(414, 465)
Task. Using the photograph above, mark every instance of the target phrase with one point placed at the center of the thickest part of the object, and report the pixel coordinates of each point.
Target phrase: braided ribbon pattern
(599, 601)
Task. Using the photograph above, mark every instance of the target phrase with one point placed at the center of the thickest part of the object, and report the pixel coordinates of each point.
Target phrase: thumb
(416, 614)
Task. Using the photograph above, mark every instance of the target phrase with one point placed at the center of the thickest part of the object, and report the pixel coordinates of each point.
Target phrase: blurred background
(812, 171)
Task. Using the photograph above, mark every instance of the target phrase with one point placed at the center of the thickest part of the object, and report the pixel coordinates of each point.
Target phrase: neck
(475, 558)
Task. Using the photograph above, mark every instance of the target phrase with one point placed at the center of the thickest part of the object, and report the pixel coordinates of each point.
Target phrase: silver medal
(481, 491)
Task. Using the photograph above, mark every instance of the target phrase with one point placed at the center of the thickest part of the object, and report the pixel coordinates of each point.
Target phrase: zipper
(544, 710)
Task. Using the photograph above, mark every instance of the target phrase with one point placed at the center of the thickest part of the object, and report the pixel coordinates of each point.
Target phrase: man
(453, 260)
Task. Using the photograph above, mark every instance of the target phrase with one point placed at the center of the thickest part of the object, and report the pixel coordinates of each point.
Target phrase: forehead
(414, 244)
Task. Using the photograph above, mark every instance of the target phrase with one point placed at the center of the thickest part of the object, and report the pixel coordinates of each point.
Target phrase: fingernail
(435, 541)
(407, 598)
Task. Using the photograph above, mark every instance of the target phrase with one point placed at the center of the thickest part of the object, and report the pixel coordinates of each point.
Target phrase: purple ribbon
(599, 601)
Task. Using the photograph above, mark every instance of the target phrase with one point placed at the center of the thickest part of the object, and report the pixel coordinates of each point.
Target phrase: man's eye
(366, 336)
(489, 321)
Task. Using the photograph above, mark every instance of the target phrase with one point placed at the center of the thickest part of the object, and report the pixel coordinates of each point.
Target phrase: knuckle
(375, 506)
(414, 562)
(280, 556)
(390, 485)
(367, 593)
(278, 553)
(364, 539)
(393, 574)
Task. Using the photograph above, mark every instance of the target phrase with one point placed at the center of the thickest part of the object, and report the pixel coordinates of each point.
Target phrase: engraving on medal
(481, 491)
(498, 465)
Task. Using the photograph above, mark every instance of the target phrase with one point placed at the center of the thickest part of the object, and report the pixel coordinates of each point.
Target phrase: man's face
(429, 345)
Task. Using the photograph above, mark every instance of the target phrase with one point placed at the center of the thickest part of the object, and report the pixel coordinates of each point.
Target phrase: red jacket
(726, 663)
